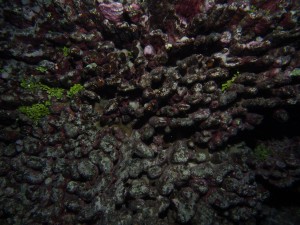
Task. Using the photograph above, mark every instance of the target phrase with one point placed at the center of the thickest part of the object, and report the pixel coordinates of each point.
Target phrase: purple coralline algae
(112, 11)
(187, 113)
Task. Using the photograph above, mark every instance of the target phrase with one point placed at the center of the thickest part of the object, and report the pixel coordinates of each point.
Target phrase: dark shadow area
(270, 128)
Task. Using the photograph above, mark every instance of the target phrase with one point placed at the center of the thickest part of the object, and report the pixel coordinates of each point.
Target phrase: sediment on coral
(157, 112)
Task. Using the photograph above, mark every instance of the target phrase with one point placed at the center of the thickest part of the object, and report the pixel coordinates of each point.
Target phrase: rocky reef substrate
(149, 112)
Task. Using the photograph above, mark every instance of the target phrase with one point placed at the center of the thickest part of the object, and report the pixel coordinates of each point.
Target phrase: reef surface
(149, 112)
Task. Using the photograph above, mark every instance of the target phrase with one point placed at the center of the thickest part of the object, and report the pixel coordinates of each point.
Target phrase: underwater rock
(171, 89)
(112, 11)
